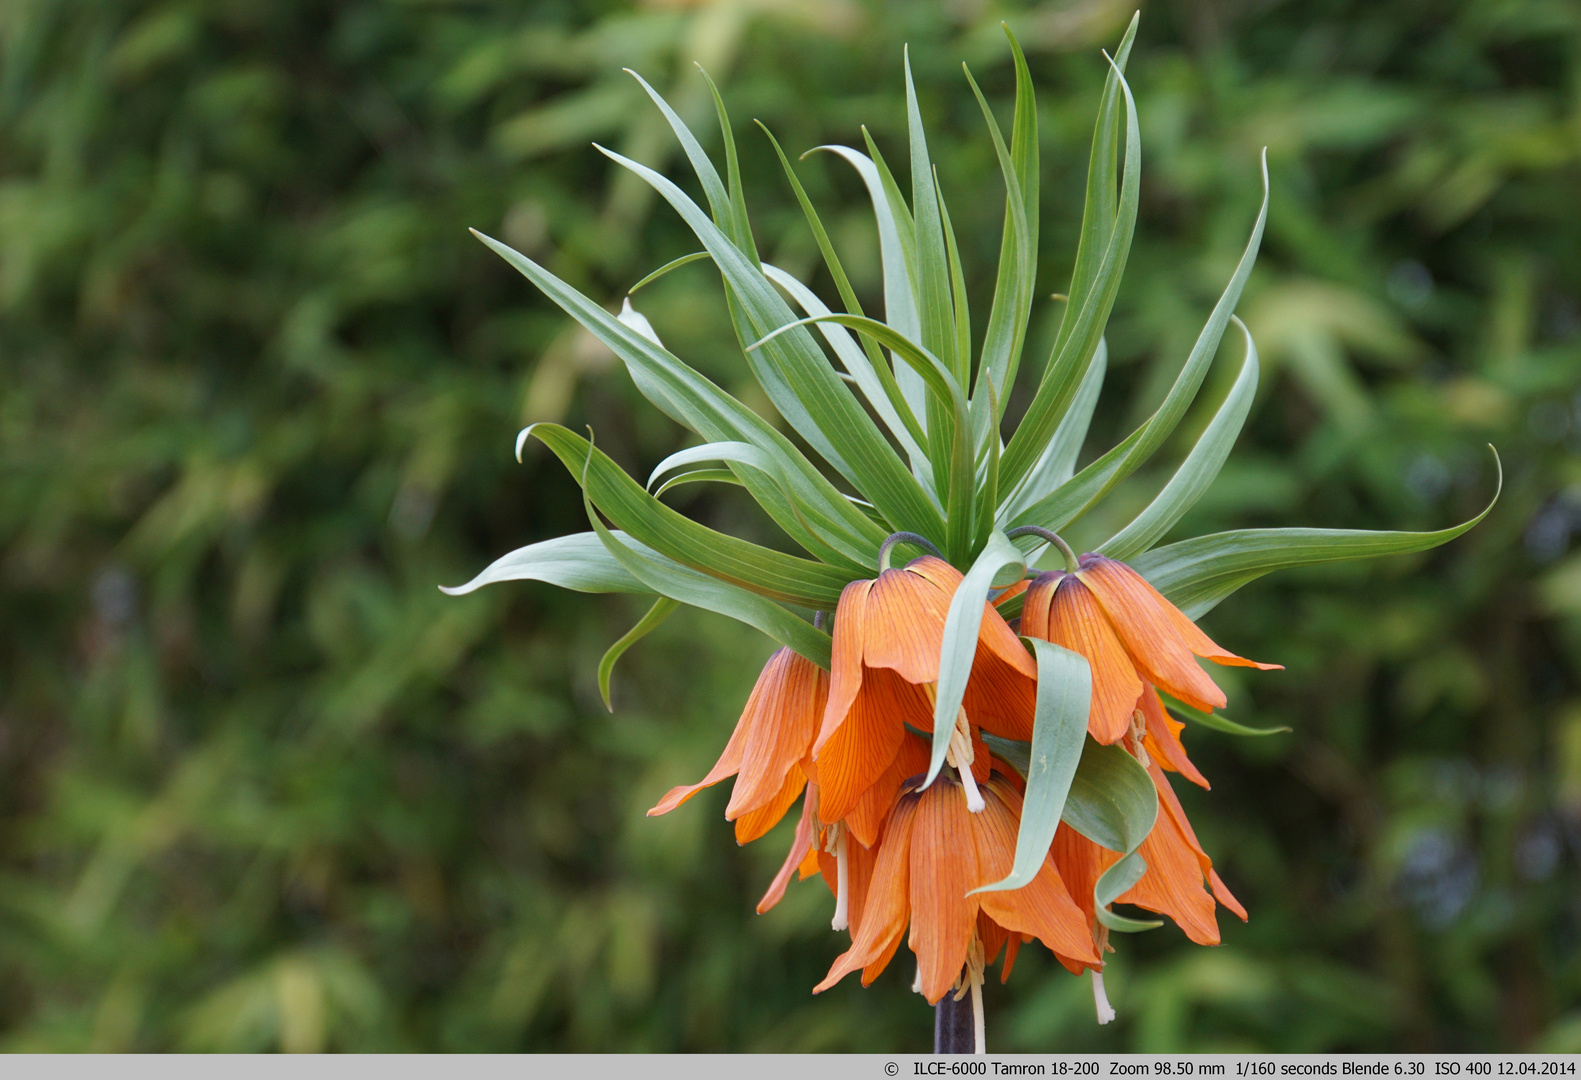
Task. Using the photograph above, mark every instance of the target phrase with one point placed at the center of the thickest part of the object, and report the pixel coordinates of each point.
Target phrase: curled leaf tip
(521, 440)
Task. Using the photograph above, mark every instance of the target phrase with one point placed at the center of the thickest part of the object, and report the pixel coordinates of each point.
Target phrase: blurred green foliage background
(263, 786)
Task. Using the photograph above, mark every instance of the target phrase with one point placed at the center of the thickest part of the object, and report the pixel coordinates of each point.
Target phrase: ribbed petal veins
(1148, 634)
(1163, 739)
(943, 867)
(801, 847)
(1043, 908)
(1076, 621)
(866, 819)
(863, 745)
(886, 905)
(782, 716)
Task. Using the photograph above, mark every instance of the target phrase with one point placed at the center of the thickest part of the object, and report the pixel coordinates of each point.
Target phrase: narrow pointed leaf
(1058, 463)
(577, 562)
(661, 610)
(1086, 314)
(698, 476)
(742, 563)
(1215, 721)
(740, 228)
(693, 401)
(1197, 574)
(1085, 489)
(1059, 731)
(933, 275)
(828, 413)
(1199, 469)
(673, 264)
(959, 648)
(669, 578)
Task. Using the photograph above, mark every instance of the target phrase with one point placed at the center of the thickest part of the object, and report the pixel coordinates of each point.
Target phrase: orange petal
(866, 819)
(1173, 883)
(782, 716)
(1163, 739)
(1012, 946)
(754, 823)
(801, 847)
(885, 908)
(1076, 621)
(876, 967)
(862, 748)
(1189, 633)
(845, 679)
(1043, 907)
(943, 867)
(1148, 634)
(860, 863)
(903, 626)
(1035, 612)
(1080, 862)
(1010, 592)
(1001, 694)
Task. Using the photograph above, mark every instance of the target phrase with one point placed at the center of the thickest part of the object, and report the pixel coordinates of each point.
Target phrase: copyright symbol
(891, 1069)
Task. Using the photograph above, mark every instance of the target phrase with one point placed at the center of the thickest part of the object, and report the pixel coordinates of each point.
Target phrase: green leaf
(961, 474)
(669, 578)
(1012, 304)
(718, 198)
(673, 264)
(577, 562)
(1115, 805)
(698, 476)
(837, 544)
(661, 609)
(1058, 463)
(871, 373)
(1073, 498)
(1197, 574)
(1199, 469)
(1059, 729)
(1087, 312)
(692, 400)
(933, 274)
(747, 565)
(959, 647)
(800, 381)
(740, 228)
(1215, 721)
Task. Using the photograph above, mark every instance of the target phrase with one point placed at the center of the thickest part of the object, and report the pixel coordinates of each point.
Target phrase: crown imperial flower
(960, 787)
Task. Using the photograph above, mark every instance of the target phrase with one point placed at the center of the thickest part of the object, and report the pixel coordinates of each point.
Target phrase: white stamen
(1138, 733)
(979, 1041)
(961, 755)
(841, 879)
(916, 983)
(1101, 999)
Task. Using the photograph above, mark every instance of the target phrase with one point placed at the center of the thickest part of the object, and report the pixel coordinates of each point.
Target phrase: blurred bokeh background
(263, 786)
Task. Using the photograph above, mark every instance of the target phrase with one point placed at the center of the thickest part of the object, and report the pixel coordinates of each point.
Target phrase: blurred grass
(264, 787)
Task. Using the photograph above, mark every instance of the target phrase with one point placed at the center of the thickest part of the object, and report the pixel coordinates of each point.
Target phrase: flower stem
(954, 1026)
(1052, 537)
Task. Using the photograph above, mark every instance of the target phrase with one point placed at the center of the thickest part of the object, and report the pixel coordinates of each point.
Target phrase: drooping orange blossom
(843, 737)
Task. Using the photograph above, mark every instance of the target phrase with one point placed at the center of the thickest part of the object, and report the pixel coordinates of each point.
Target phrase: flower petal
(1173, 883)
(845, 665)
(863, 746)
(782, 715)
(1148, 634)
(885, 909)
(903, 626)
(1043, 907)
(1162, 740)
(801, 847)
(866, 819)
(727, 765)
(1077, 621)
(943, 867)
(754, 823)
(1190, 633)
